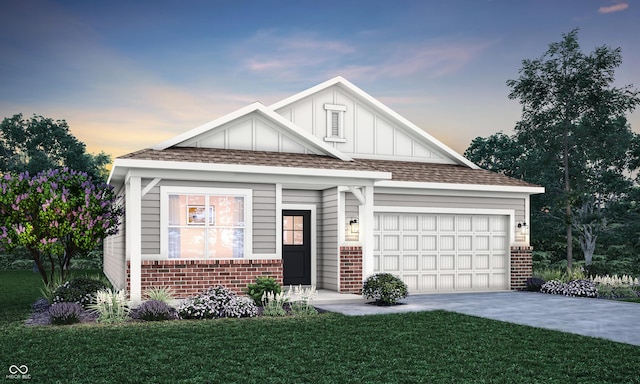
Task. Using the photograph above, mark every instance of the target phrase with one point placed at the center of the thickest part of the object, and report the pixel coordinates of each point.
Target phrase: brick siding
(351, 270)
(521, 266)
(189, 277)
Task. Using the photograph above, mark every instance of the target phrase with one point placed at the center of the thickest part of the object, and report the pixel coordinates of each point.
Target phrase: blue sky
(128, 74)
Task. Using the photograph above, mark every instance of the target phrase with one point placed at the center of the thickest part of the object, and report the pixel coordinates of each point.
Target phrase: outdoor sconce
(354, 226)
(523, 228)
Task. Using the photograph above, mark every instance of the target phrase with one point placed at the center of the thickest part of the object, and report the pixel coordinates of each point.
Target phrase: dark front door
(296, 247)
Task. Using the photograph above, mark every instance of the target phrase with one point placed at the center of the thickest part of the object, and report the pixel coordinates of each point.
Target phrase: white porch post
(366, 233)
(133, 218)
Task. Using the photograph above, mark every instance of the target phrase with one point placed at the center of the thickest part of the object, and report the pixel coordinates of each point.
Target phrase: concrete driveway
(613, 320)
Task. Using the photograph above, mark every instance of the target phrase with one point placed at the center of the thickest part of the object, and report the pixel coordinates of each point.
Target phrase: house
(325, 187)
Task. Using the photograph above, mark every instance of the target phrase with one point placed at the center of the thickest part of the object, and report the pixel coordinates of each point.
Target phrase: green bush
(384, 288)
(79, 290)
(263, 284)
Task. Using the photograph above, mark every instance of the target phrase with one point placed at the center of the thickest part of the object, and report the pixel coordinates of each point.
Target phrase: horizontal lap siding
(328, 241)
(264, 214)
(352, 210)
(115, 253)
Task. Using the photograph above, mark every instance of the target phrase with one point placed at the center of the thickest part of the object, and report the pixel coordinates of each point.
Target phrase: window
(293, 230)
(202, 223)
(335, 123)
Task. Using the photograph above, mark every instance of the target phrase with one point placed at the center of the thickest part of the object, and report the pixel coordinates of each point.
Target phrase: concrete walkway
(613, 320)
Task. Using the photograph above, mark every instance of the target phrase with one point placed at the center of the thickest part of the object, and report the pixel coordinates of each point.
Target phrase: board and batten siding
(517, 205)
(264, 214)
(114, 249)
(367, 131)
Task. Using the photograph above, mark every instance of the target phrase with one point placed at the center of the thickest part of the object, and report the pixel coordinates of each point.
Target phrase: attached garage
(436, 252)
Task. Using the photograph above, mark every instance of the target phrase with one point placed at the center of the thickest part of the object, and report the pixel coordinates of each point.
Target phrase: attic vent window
(335, 123)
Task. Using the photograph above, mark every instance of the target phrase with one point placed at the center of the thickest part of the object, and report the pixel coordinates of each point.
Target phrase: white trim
(279, 221)
(256, 169)
(248, 215)
(150, 186)
(358, 195)
(297, 134)
(367, 213)
(314, 230)
(133, 243)
(458, 187)
(425, 137)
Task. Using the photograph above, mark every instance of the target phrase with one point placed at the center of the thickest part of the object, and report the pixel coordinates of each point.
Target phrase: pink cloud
(614, 8)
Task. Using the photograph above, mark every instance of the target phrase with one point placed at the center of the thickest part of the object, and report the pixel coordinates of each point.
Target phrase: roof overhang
(179, 170)
(531, 190)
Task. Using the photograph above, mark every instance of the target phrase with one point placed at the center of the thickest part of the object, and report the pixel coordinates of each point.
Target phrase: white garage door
(443, 252)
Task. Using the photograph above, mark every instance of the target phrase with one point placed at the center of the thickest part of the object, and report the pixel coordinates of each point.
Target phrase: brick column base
(190, 277)
(521, 266)
(350, 270)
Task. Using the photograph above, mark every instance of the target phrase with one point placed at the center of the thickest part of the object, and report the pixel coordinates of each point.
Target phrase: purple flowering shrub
(575, 288)
(65, 313)
(154, 310)
(56, 214)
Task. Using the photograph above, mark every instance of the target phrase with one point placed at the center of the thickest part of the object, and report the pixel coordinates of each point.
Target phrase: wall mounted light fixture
(523, 228)
(354, 226)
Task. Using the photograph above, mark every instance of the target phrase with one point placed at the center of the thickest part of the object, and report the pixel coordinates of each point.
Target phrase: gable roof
(346, 84)
(297, 134)
(417, 172)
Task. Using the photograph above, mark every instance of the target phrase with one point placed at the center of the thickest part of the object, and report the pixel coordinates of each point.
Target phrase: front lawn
(424, 347)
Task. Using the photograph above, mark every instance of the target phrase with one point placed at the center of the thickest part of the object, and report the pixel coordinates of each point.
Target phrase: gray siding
(114, 248)
(328, 241)
(264, 214)
(352, 209)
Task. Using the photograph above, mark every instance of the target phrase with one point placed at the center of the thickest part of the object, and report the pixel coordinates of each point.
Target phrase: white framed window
(335, 123)
(205, 223)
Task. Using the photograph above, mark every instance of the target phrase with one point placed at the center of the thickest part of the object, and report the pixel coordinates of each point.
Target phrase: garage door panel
(465, 262)
(391, 263)
(429, 262)
(410, 242)
(390, 243)
(443, 252)
(464, 281)
(410, 263)
(447, 262)
(447, 243)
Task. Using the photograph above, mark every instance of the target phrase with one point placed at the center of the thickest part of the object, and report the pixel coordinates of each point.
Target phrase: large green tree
(574, 118)
(37, 144)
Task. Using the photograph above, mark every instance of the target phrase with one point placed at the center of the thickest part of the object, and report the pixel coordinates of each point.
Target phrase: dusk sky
(128, 74)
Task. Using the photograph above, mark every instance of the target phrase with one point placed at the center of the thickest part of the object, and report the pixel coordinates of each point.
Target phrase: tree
(56, 215)
(589, 222)
(574, 118)
(40, 143)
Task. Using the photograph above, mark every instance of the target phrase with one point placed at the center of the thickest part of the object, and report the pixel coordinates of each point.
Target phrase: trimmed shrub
(79, 290)
(384, 288)
(154, 310)
(581, 288)
(241, 307)
(554, 287)
(534, 284)
(209, 304)
(65, 313)
(263, 284)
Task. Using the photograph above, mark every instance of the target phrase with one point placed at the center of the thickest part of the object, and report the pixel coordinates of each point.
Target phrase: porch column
(133, 220)
(366, 231)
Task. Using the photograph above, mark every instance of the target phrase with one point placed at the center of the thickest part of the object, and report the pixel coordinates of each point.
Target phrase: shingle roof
(401, 170)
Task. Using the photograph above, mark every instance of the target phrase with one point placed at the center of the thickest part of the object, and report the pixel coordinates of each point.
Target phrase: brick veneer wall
(189, 277)
(350, 270)
(521, 266)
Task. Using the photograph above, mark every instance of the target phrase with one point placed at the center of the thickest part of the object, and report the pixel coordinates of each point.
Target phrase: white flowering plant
(300, 300)
(111, 306)
(214, 303)
(273, 303)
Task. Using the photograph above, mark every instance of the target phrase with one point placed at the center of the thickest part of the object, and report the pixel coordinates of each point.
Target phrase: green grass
(427, 347)
(636, 300)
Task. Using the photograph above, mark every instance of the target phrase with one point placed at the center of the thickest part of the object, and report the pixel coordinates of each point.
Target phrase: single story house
(323, 188)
